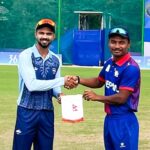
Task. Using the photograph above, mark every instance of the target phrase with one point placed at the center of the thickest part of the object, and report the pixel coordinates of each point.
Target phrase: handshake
(71, 81)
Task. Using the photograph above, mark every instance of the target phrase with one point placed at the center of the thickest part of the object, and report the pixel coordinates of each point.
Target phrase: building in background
(78, 25)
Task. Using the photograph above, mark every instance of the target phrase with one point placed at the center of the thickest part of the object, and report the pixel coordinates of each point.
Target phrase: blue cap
(119, 31)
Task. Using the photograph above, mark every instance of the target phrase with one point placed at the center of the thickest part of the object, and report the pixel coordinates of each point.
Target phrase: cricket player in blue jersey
(121, 77)
(39, 81)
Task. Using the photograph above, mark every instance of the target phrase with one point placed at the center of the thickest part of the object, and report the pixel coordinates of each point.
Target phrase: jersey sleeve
(130, 78)
(57, 90)
(101, 76)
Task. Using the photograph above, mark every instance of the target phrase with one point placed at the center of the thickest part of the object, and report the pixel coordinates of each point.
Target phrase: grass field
(87, 135)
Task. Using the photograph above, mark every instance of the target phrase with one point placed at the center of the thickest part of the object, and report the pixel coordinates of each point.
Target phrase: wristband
(78, 79)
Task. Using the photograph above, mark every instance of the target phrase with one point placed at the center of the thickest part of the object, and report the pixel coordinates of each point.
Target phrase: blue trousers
(33, 127)
(121, 132)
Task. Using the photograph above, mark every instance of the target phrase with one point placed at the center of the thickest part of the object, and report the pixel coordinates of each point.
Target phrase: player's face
(118, 46)
(44, 37)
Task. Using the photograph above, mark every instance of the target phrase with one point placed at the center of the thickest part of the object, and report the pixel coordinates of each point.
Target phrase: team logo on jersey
(108, 68)
(18, 131)
(54, 70)
(116, 73)
(128, 64)
(111, 85)
(122, 145)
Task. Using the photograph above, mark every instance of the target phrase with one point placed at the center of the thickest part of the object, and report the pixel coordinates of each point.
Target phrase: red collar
(123, 59)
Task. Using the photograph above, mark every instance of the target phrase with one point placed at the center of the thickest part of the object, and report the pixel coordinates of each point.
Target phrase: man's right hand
(71, 82)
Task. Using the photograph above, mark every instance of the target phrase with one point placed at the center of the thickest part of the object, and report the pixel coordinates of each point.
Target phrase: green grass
(87, 135)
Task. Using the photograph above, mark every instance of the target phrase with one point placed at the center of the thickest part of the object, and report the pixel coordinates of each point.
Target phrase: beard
(44, 44)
